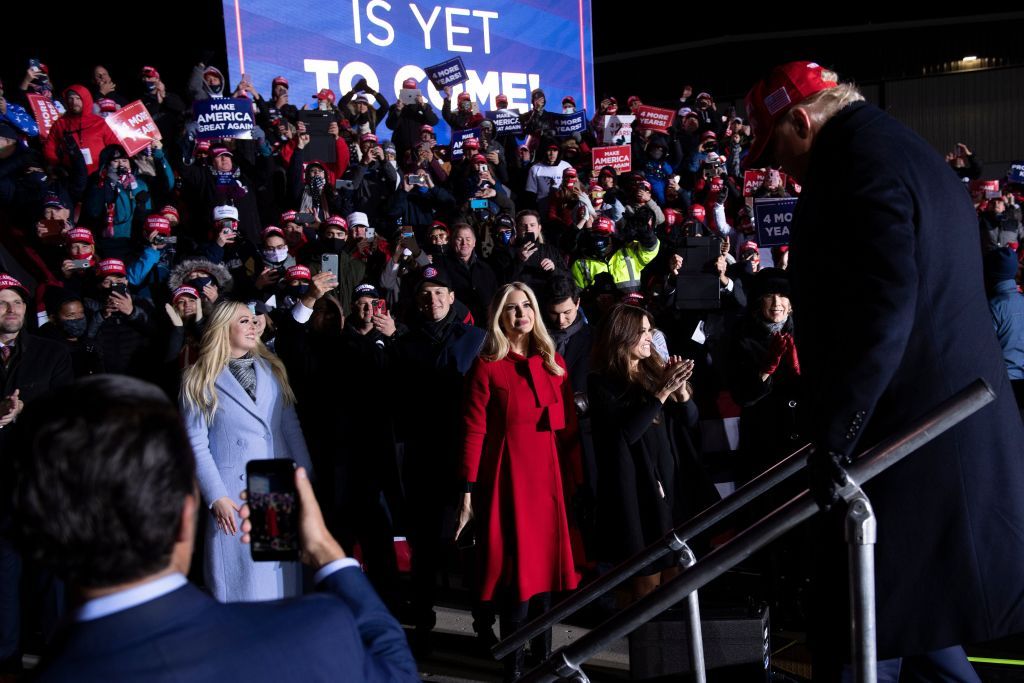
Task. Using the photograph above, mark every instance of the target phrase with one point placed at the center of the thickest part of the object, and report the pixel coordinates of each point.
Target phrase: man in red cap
(895, 325)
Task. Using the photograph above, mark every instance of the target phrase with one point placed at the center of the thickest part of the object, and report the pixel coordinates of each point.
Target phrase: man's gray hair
(823, 105)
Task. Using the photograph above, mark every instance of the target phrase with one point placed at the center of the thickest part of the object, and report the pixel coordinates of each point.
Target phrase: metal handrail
(566, 661)
(671, 542)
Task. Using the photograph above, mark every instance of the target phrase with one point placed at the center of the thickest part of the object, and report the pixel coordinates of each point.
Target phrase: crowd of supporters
(384, 278)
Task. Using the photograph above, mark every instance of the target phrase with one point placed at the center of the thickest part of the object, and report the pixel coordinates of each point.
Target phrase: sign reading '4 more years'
(773, 218)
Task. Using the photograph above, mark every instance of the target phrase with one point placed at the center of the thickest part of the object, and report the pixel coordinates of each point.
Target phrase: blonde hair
(496, 345)
(198, 389)
(823, 105)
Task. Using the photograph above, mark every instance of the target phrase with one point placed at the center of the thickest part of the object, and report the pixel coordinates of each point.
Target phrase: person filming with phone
(117, 448)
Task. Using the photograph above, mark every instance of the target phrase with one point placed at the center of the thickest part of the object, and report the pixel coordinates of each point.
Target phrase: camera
(165, 239)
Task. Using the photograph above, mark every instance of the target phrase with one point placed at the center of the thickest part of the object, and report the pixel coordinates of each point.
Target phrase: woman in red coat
(521, 446)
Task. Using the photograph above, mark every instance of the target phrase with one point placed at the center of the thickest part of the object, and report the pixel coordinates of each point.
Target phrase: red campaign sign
(134, 127)
(45, 112)
(653, 118)
(754, 178)
(619, 157)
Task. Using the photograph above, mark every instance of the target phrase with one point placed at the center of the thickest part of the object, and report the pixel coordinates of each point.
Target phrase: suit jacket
(243, 430)
(891, 319)
(185, 635)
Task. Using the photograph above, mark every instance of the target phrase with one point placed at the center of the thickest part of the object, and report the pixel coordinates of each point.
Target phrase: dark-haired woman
(648, 479)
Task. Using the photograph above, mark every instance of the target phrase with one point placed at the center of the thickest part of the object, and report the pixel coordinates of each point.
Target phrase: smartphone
(478, 204)
(80, 263)
(305, 218)
(119, 287)
(340, 184)
(380, 307)
(329, 264)
(53, 228)
(371, 234)
(273, 510)
(415, 179)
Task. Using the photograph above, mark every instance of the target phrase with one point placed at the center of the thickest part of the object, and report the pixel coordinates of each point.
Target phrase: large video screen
(509, 47)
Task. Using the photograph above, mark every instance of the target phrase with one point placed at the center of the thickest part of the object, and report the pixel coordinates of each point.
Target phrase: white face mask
(275, 255)
(568, 110)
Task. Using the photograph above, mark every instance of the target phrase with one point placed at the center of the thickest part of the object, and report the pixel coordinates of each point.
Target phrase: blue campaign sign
(223, 117)
(509, 47)
(505, 122)
(450, 72)
(773, 217)
(1016, 174)
(567, 124)
(459, 138)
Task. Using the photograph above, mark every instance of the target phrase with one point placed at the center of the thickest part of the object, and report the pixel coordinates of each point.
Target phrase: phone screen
(274, 510)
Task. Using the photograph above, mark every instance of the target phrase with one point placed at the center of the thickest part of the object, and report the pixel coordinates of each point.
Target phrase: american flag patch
(776, 101)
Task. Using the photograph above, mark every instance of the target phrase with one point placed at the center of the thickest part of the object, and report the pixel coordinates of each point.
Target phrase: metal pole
(861, 534)
(672, 542)
(688, 559)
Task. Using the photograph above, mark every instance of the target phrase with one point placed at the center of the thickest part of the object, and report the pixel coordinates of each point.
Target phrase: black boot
(540, 649)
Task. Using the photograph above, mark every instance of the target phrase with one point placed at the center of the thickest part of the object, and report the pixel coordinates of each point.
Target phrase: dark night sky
(726, 55)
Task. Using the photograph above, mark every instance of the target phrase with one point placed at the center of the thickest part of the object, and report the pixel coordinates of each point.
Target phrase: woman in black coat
(648, 479)
(764, 375)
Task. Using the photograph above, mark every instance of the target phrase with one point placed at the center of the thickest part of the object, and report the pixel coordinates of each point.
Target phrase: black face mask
(335, 245)
(199, 283)
(298, 290)
(74, 327)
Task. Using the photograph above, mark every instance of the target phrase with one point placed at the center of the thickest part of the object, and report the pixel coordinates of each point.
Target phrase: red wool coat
(521, 444)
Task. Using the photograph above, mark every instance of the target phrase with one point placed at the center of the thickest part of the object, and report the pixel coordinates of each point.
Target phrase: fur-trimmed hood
(217, 272)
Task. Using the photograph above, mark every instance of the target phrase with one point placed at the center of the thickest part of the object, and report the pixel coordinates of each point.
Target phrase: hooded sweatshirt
(89, 130)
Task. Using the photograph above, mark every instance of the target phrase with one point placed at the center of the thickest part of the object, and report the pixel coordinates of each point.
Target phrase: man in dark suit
(106, 496)
(892, 319)
(29, 367)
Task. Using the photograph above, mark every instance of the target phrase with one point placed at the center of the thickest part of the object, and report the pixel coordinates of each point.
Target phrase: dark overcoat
(901, 325)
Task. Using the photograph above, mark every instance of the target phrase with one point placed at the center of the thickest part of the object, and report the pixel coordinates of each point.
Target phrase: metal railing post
(861, 534)
(687, 559)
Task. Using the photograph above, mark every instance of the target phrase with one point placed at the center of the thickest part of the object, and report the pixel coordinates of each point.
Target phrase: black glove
(826, 475)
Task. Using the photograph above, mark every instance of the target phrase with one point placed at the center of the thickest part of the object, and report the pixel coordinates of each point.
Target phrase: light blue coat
(243, 430)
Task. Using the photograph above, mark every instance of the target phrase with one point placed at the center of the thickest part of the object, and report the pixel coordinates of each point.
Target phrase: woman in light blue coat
(238, 407)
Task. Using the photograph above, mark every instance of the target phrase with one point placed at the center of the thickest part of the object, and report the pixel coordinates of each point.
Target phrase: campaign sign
(617, 130)
(508, 46)
(754, 178)
(450, 72)
(459, 138)
(619, 157)
(1016, 174)
(223, 118)
(506, 122)
(45, 112)
(134, 127)
(653, 118)
(567, 124)
(773, 218)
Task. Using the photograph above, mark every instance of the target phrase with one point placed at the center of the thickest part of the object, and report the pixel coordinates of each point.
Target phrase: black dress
(648, 476)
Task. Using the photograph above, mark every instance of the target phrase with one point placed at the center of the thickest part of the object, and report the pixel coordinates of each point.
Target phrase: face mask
(317, 182)
(74, 327)
(335, 245)
(275, 255)
(150, 86)
(600, 244)
(506, 237)
(568, 110)
(298, 290)
(199, 283)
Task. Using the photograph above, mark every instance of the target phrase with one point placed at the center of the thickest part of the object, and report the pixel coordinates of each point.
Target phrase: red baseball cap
(112, 266)
(184, 290)
(8, 282)
(338, 222)
(289, 216)
(280, 80)
(603, 225)
(170, 210)
(158, 223)
(325, 94)
(83, 235)
(299, 273)
(787, 85)
(697, 212)
(272, 230)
